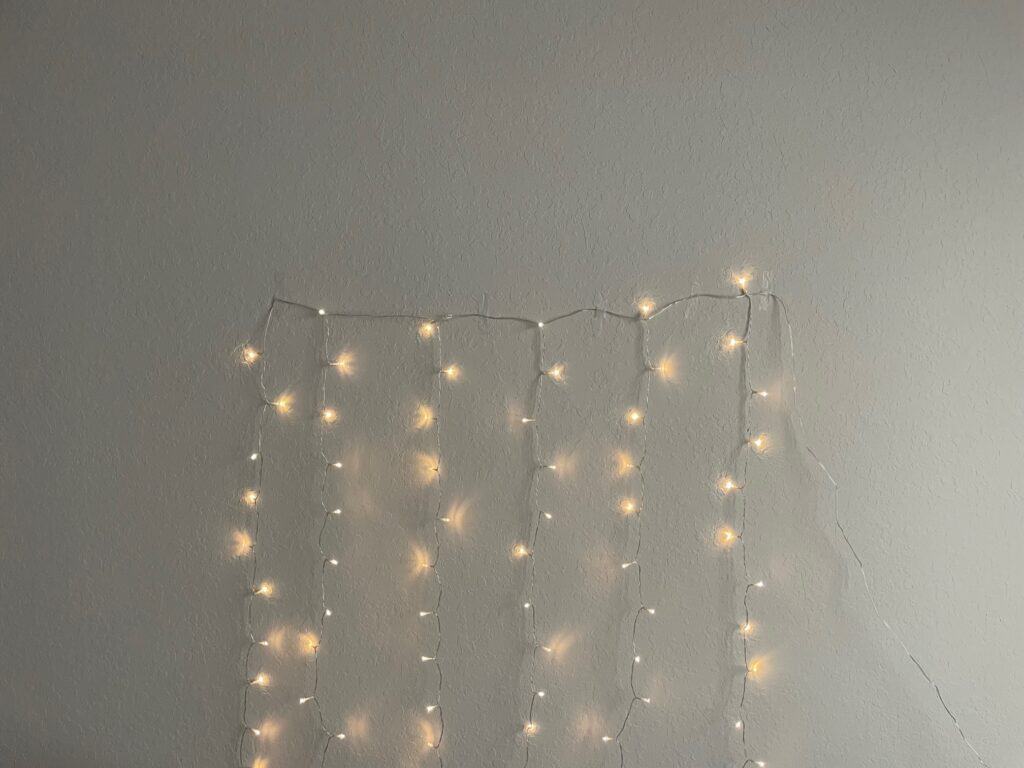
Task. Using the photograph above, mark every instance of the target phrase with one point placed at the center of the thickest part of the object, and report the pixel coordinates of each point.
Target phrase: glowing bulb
(321, 312)
(255, 731)
(645, 699)
(426, 613)
(731, 341)
(634, 416)
(759, 443)
(337, 464)
(739, 725)
(753, 668)
(426, 658)
(335, 511)
(250, 355)
(530, 728)
(266, 589)
(759, 584)
(547, 649)
(333, 561)
(250, 496)
(606, 739)
(556, 372)
(626, 565)
(339, 736)
(451, 372)
(636, 659)
(424, 417)
(548, 516)
(526, 606)
(329, 415)
(726, 537)
(304, 699)
(650, 611)
(541, 694)
(283, 404)
(261, 680)
(344, 363)
(427, 330)
(747, 628)
(254, 456)
(645, 307)
(727, 485)
(264, 643)
(762, 393)
(431, 707)
(760, 763)
(327, 612)
(540, 324)
(628, 506)
(526, 420)
(741, 280)
(520, 551)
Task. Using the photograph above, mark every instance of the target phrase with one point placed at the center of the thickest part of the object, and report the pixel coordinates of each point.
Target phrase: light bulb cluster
(633, 470)
(545, 374)
(253, 356)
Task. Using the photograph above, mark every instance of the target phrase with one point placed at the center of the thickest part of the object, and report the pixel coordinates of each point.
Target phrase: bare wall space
(168, 168)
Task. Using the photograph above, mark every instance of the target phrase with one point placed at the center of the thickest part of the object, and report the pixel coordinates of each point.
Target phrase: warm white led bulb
(759, 584)
(634, 416)
(556, 372)
(645, 307)
(337, 464)
(304, 699)
(626, 565)
(426, 658)
(540, 324)
(335, 511)
(339, 736)
(261, 680)
(250, 496)
(645, 699)
(762, 393)
(526, 606)
(327, 612)
(254, 456)
(321, 312)
(636, 659)
(530, 728)
(255, 731)
(730, 341)
(431, 707)
(548, 515)
(426, 613)
(606, 739)
(427, 330)
(541, 694)
(739, 725)
(759, 443)
(333, 561)
(329, 415)
(250, 355)
(451, 372)
(520, 550)
(527, 420)
(650, 611)
(727, 485)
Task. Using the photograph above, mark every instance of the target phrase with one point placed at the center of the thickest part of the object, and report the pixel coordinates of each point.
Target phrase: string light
(252, 355)
(451, 373)
(759, 443)
(329, 415)
(632, 508)
(544, 373)
(251, 496)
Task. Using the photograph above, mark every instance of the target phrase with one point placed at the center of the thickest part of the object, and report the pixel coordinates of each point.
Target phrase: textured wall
(168, 167)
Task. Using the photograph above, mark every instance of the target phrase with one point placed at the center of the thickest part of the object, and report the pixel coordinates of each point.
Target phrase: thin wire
(643, 401)
(536, 514)
(261, 416)
(436, 389)
(799, 432)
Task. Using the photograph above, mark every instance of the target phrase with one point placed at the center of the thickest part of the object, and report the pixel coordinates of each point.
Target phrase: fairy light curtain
(544, 402)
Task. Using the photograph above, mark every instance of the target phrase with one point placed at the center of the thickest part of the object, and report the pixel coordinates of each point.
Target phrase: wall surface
(169, 167)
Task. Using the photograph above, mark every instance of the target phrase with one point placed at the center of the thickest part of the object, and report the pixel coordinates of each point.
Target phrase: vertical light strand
(538, 464)
(636, 417)
(325, 416)
(253, 498)
(750, 666)
(441, 372)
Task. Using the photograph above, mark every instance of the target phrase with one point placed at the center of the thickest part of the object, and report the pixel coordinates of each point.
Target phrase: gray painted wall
(169, 167)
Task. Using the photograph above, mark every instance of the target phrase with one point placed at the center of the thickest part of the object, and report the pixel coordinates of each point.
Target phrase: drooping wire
(643, 401)
(257, 456)
(799, 434)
